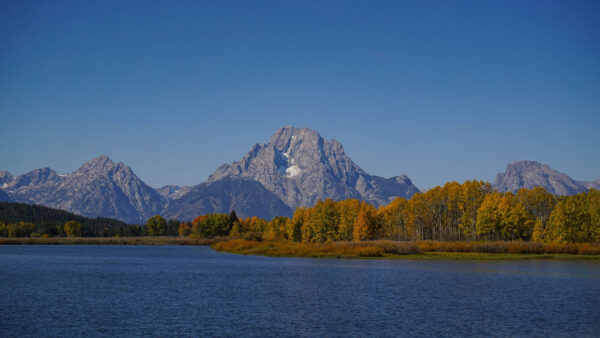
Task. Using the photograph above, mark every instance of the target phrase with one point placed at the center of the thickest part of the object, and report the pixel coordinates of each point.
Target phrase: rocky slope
(172, 192)
(5, 177)
(591, 184)
(530, 174)
(100, 187)
(300, 167)
(4, 196)
(247, 197)
(295, 168)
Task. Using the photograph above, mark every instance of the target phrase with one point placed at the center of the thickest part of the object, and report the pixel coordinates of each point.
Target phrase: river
(193, 291)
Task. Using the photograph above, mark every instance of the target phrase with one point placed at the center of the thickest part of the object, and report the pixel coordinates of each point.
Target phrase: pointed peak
(284, 136)
(5, 174)
(100, 159)
(285, 128)
(100, 163)
(521, 162)
(5, 178)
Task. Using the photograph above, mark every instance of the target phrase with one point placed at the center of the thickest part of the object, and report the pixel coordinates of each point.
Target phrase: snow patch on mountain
(293, 171)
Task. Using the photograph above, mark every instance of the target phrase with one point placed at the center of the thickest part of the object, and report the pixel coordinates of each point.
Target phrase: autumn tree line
(471, 211)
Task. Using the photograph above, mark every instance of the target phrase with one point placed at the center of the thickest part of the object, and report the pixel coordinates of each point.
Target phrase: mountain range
(295, 168)
(100, 187)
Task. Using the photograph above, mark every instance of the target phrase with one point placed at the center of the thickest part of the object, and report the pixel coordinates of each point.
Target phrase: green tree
(211, 225)
(233, 218)
(514, 223)
(3, 230)
(593, 197)
(72, 229)
(156, 226)
(324, 222)
(172, 228)
(21, 229)
(540, 233)
(294, 225)
(539, 204)
(348, 211)
(570, 220)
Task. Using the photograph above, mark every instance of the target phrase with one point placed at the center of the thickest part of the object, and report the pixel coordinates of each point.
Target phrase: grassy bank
(149, 240)
(386, 249)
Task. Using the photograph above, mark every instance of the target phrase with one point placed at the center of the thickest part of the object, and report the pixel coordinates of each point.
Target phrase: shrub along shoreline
(376, 249)
(386, 249)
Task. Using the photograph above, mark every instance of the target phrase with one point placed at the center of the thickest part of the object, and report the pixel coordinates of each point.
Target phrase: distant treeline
(29, 220)
(471, 211)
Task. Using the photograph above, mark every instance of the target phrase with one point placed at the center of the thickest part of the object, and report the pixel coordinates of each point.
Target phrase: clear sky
(448, 90)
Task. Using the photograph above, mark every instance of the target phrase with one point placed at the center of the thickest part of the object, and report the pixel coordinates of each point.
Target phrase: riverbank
(147, 240)
(382, 249)
(411, 250)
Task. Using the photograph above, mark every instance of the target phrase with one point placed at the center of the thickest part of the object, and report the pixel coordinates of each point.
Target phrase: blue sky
(448, 90)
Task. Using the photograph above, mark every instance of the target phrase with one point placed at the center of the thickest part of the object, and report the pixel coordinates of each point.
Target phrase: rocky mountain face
(4, 196)
(5, 177)
(100, 187)
(300, 167)
(591, 184)
(172, 192)
(247, 197)
(295, 168)
(530, 174)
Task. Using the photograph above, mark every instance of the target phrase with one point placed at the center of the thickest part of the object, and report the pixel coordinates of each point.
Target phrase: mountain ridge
(247, 197)
(301, 167)
(100, 187)
(295, 168)
(529, 174)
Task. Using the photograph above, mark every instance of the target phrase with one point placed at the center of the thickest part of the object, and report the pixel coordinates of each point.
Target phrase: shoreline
(282, 249)
(346, 250)
(146, 240)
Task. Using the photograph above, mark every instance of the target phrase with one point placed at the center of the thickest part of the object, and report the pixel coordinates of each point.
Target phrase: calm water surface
(193, 291)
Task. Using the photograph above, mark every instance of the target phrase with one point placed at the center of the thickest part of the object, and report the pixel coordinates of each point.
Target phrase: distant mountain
(5, 177)
(247, 197)
(100, 187)
(591, 184)
(173, 191)
(530, 174)
(4, 196)
(300, 167)
(295, 168)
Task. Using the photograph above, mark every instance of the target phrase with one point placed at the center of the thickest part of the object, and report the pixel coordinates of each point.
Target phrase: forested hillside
(28, 220)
